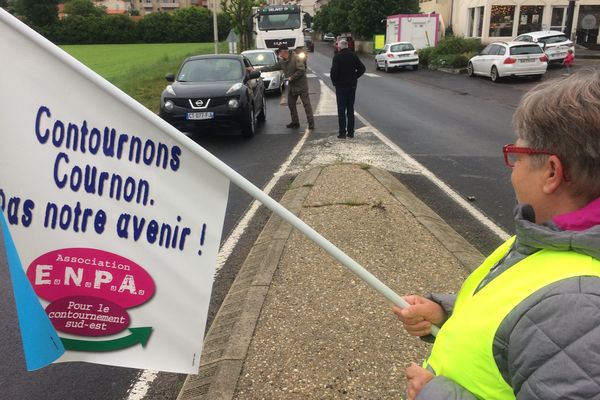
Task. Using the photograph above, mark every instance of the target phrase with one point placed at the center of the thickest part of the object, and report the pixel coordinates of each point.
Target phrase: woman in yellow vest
(526, 324)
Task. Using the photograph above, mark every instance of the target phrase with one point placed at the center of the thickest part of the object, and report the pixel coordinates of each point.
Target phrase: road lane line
(477, 214)
(236, 234)
(311, 75)
(142, 385)
(327, 102)
(372, 75)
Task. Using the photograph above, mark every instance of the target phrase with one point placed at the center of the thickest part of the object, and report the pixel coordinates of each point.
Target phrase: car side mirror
(253, 75)
(170, 77)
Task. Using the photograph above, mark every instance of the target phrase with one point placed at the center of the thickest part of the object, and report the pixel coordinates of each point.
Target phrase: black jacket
(346, 69)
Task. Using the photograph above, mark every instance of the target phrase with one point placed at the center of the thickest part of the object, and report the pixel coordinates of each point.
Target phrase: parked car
(328, 37)
(502, 59)
(273, 81)
(348, 38)
(397, 55)
(213, 90)
(554, 43)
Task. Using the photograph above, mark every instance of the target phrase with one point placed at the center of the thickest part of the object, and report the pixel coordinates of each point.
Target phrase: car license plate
(402, 55)
(527, 60)
(199, 115)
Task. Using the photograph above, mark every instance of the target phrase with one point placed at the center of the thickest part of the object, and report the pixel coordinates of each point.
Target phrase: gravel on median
(322, 332)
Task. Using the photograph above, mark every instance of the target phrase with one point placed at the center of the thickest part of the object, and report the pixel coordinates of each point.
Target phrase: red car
(348, 39)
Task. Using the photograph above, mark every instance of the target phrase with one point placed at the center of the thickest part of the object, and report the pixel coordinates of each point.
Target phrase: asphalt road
(453, 125)
(257, 159)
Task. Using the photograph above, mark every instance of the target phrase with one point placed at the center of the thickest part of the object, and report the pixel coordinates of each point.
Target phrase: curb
(228, 339)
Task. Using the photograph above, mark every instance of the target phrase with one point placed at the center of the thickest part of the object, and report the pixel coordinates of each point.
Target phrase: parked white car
(328, 37)
(554, 43)
(502, 59)
(397, 55)
(274, 80)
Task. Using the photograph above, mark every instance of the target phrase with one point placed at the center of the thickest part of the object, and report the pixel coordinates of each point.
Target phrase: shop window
(501, 20)
(480, 22)
(530, 19)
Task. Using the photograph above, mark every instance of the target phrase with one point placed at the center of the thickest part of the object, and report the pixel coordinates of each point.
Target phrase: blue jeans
(345, 104)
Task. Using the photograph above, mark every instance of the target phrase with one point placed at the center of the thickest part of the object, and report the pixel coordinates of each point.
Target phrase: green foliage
(426, 54)
(38, 12)
(192, 24)
(138, 69)
(156, 28)
(240, 16)
(361, 17)
(451, 52)
(458, 45)
(449, 61)
(84, 8)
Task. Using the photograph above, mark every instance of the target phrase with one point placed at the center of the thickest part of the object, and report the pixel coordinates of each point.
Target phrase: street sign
(232, 39)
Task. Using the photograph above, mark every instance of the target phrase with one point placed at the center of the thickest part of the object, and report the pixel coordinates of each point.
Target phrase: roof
(258, 51)
(226, 56)
(538, 34)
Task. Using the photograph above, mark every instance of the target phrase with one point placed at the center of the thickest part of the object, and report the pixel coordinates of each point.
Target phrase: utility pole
(570, 15)
(215, 27)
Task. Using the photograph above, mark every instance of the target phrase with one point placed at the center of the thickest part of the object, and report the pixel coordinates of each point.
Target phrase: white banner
(115, 222)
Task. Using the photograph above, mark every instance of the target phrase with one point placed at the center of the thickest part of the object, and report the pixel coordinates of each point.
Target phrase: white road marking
(142, 385)
(235, 235)
(327, 74)
(311, 75)
(478, 215)
(372, 75)
(327, 102)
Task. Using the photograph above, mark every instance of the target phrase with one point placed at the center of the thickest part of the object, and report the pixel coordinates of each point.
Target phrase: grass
(139, 69)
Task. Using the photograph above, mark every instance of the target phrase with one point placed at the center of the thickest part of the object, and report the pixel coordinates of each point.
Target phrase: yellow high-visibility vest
(462, 350)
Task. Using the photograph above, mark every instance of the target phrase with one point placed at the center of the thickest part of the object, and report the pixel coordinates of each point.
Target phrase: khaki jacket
(295, 68)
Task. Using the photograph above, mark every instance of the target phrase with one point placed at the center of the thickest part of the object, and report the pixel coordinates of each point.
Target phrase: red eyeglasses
(510, 151)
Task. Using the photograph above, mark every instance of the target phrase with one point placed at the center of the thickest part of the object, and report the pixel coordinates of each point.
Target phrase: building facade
(502, 20)
(149, 6)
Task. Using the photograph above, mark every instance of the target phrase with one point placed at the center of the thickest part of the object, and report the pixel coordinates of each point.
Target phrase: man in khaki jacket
(293, 66)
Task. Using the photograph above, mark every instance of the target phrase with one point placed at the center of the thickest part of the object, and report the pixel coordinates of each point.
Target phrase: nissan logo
(199, 103)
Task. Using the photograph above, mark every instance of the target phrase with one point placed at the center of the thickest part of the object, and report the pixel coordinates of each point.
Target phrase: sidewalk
(297, 325)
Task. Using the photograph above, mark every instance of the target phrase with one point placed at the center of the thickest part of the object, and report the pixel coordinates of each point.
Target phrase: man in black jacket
(345, 71)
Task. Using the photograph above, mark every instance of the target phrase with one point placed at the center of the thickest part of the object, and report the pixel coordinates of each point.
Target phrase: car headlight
(268, 75)
(234, 88)
(170, 90)
(169, 105)
(233, 103)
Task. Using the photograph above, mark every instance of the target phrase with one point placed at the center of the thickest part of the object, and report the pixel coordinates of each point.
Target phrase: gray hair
(343, 44)
(563, 117)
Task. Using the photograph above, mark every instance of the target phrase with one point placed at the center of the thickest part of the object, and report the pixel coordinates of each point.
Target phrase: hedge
(451, 52)
(185, 25)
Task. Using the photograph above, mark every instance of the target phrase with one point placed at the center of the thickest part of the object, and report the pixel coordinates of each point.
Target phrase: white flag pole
(220, 166)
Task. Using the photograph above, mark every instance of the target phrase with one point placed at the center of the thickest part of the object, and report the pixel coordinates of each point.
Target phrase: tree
(156, 27)
(192, 24)
(368, 16)
(38, 12)
(240, 15)
(333, 17)
(84, 8)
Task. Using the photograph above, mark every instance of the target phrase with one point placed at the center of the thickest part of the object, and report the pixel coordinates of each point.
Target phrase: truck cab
(277, 25)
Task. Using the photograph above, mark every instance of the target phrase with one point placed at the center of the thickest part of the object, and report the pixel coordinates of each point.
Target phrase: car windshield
(261, 59)
(553, 39)
(210, 70)
(529, 49)
(401, 47)
(279, 21)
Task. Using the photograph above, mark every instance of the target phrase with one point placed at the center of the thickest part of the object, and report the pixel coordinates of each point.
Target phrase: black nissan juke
(214, 90)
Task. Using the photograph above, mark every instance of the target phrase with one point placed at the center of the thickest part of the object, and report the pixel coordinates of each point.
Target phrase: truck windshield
(277, 21)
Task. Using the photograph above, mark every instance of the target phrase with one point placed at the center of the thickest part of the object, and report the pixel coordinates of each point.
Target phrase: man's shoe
(341, 136)
(293, 125)
(350, 136)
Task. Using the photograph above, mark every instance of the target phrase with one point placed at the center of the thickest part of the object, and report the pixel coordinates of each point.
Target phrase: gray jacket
(548, 347)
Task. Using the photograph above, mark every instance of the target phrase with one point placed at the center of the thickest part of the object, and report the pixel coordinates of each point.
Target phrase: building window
(558, 20)
(475, 21)
(501, 20)
(470, 21)
(480, 22)
(530, 19)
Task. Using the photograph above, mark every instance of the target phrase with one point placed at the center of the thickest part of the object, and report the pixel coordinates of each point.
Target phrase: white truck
(277, 25)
